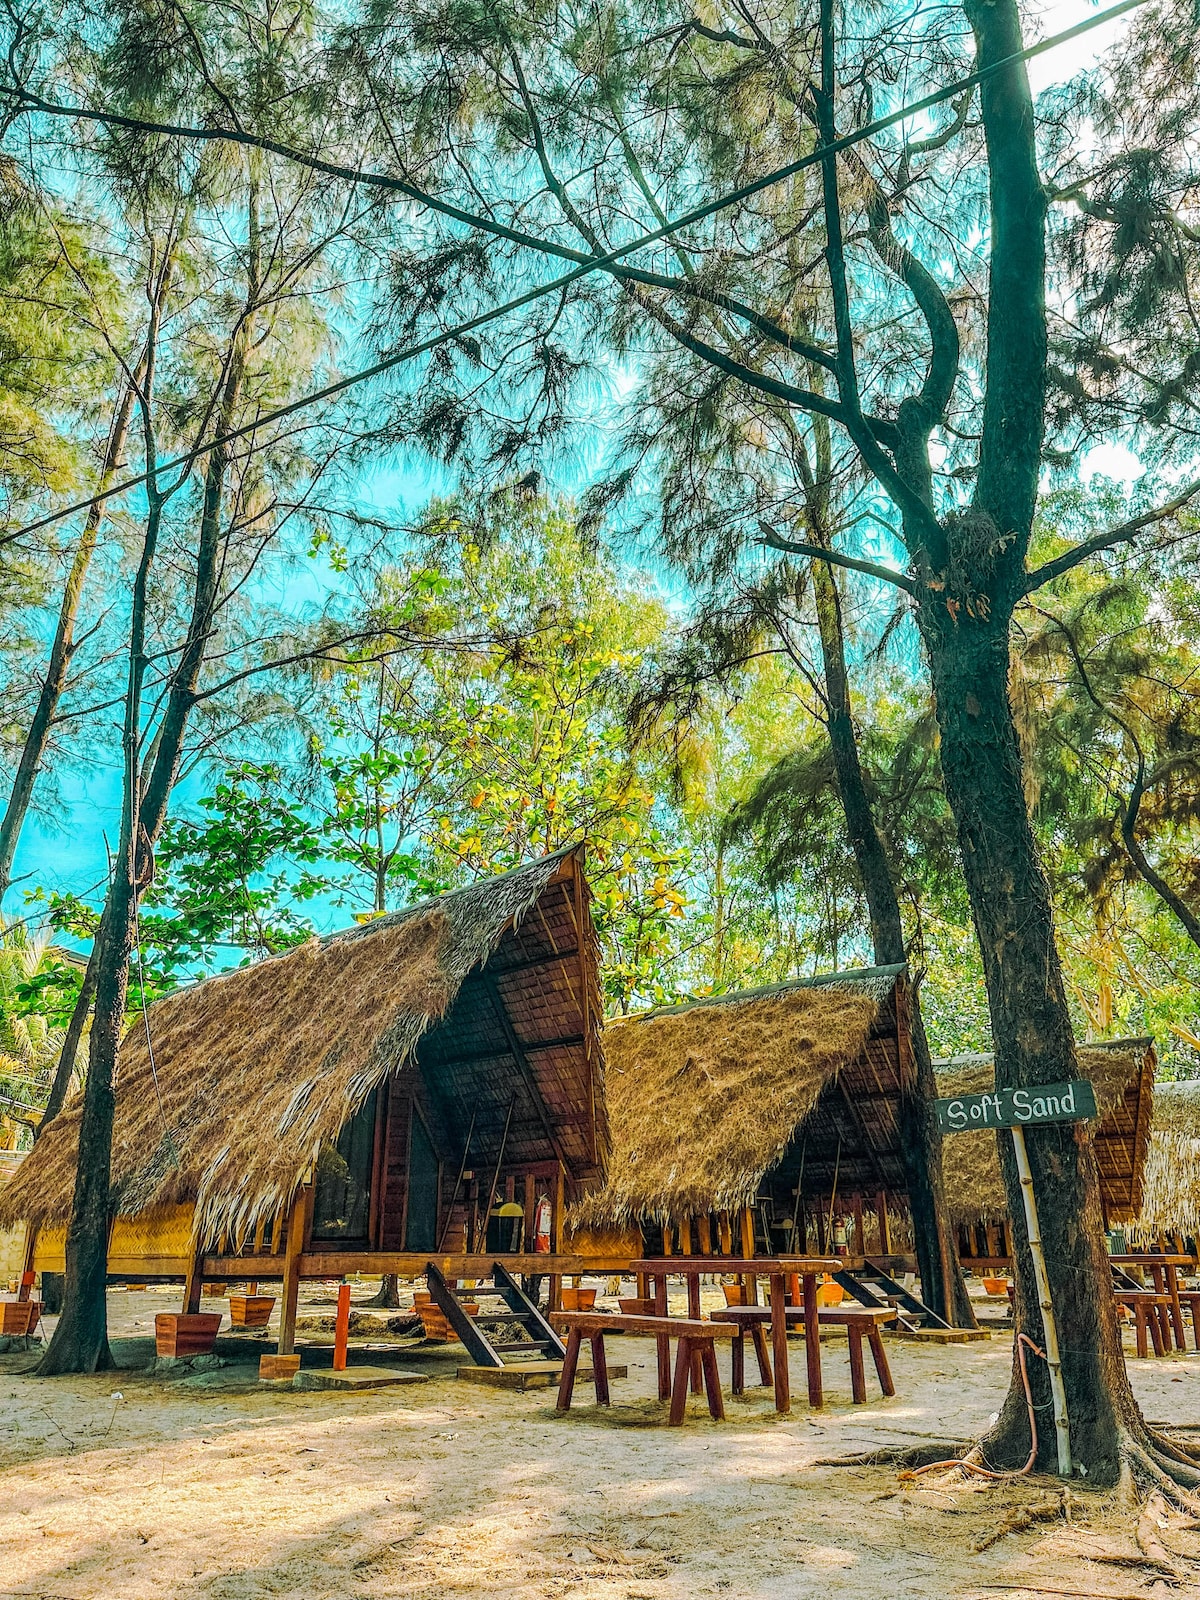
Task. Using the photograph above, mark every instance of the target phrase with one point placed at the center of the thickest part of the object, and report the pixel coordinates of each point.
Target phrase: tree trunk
(70, 1047)
(1033, 1041)
(61, 651)
(80, 1341)
(937, 1260)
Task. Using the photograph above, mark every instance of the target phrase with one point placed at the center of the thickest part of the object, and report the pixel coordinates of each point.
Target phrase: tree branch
(817, 552)
(1121, 534)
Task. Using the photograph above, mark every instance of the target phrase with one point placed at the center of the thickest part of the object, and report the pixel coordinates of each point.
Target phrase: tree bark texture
(70, 1046)
(1034, 1043)
(937, 1260)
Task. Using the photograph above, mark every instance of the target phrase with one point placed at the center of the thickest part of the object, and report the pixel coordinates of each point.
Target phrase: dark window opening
(342, 1198)
(421, 1225)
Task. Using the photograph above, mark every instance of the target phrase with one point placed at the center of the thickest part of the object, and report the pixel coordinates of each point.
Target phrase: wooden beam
(298, 1221)
(194, 1282)
(517, 1050)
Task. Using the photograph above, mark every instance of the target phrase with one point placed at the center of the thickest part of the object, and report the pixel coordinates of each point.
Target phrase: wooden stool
(858, 1321)
(1191, 1299)
(1148, 1310)
(752, 1320)
(695, 1338)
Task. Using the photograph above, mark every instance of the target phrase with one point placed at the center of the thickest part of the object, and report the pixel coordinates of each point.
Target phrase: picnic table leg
(566, 1384)
(1176, 1308)
(599, 1369)
(693, 1303)
(738, 1362)
(882, 1370)
(812, 1340)
(659, 1286)
(1139, 1323)
(858, 1380)
(1156, 1333)
(679, 1389)
(712, 1381)
(759, 1334)
(783, 1394)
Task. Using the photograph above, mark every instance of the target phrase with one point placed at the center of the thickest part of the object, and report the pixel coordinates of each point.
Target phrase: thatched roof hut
(1171, 1200)
(706, 1100)
(486, 1000)
(1122, 1073)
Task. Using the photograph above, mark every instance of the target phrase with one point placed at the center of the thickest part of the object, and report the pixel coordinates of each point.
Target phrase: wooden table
(1164, 1269)
(778, 1269)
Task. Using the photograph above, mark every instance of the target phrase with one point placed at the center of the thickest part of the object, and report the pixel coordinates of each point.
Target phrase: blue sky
(67, 850)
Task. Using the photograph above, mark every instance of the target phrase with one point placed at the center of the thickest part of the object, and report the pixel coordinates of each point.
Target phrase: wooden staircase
(872, 1285)
(502, 1303)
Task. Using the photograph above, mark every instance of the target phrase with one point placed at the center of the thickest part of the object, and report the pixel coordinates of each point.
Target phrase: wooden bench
(859, 1322)
(1151, 1311)
(692, 1335)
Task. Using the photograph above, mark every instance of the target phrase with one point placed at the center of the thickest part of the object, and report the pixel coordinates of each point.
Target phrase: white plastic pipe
(1058, 1390)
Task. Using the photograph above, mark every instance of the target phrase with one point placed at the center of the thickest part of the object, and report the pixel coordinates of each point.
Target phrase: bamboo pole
(1058, 1390)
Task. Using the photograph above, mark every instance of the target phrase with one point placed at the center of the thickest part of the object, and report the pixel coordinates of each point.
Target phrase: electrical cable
(969, 1466)
(592, 264)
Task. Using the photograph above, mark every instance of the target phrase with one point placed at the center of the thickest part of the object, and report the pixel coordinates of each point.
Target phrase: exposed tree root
(1156, 1469)
(912, 1455)
(1048, 1509)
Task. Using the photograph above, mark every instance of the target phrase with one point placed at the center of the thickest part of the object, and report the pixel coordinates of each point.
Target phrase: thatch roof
(1122, 1073)
(704, 1099)
(1171, 1202)
(491, 989)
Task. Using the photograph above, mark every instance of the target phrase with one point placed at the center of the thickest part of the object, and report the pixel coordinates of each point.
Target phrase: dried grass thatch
(1171, 1202)
(1122, 1073)
(253, 1071)
(704, 1099)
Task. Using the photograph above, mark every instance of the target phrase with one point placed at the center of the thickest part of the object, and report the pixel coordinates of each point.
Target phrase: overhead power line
(596, 263)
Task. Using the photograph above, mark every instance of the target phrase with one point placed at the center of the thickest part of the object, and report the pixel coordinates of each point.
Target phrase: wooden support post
(530, 1210)
(341, 1328)
(856, 1211)
(667, 1250)
(746, 1221)
(685, 1236)
(885, 1223)
(704, 1235)
(296, 1230)
(558, 1206)
(194, 1283)
(725, 1233)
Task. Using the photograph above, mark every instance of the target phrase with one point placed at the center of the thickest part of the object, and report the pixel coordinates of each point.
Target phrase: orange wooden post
(341, 1328)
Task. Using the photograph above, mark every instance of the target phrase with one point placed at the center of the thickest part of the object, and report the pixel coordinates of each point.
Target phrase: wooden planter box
(186, 1333)
(250, 1310)
(19, 1317)
(433, 1323)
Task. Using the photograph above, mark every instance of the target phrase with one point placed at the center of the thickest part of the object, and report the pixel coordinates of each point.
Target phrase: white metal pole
(1057, 1388)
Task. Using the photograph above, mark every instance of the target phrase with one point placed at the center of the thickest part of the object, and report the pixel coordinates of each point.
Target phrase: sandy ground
(129, 1485)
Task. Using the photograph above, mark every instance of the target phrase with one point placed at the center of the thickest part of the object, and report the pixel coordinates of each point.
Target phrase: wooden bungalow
(359, 1104)
(742, 1124)
(1122, 1073)
(1169, 1215)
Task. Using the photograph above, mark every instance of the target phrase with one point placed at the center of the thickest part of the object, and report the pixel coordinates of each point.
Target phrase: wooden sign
(1018, 1108)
